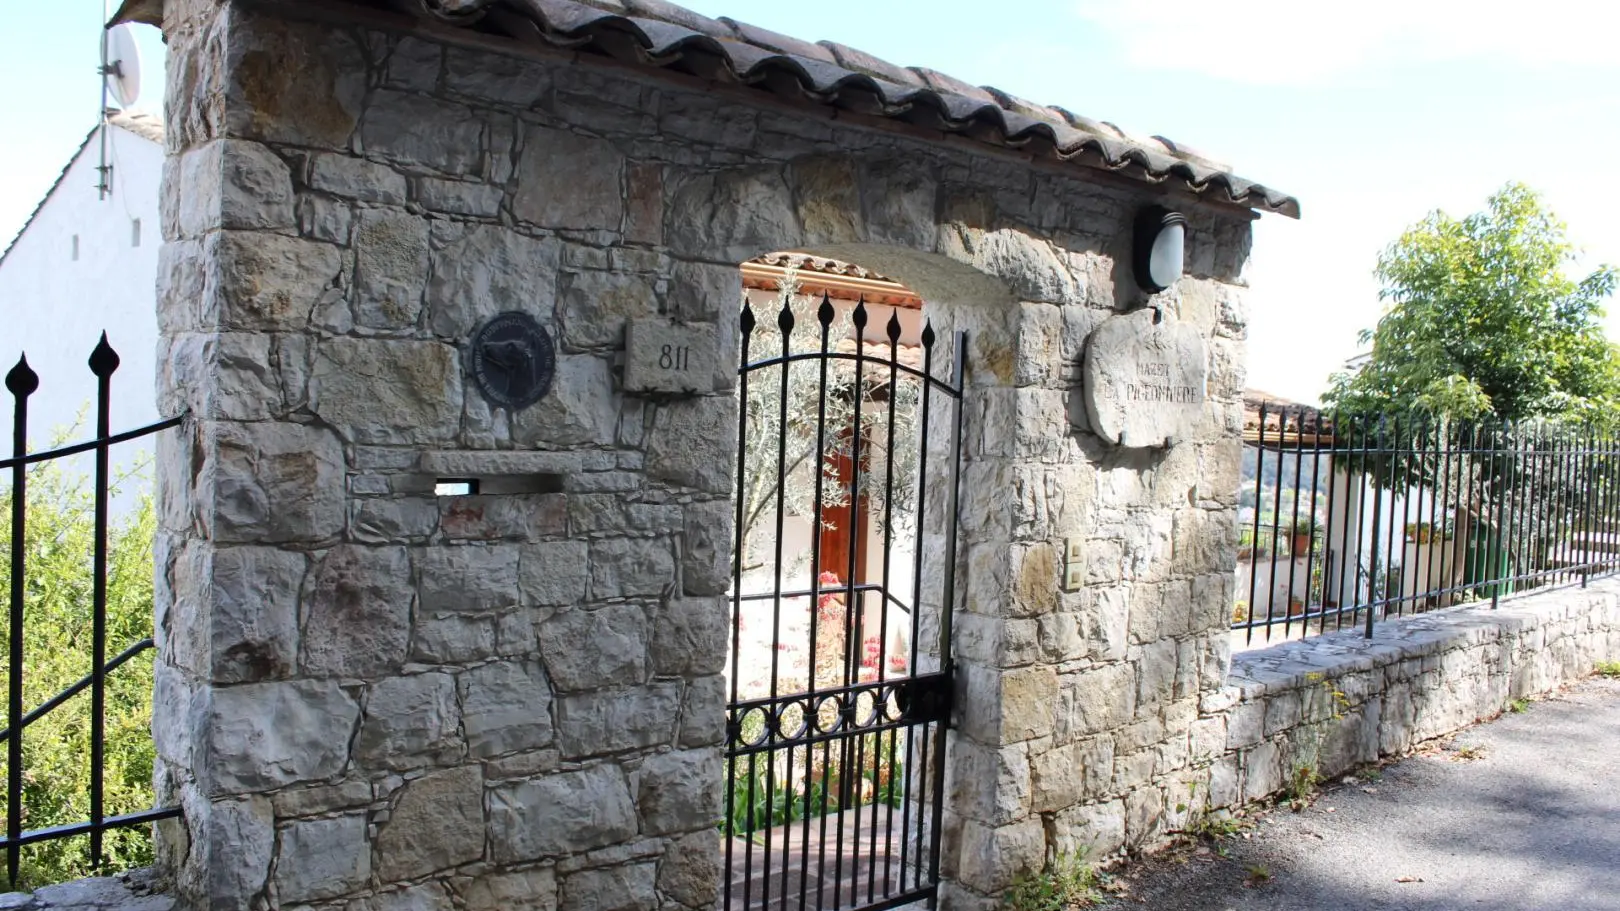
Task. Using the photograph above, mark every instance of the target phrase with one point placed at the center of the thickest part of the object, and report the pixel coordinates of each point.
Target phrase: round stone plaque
(513, 361)
(1146, 378)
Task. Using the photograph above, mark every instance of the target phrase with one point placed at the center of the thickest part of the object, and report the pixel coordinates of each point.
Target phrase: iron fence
(1344, 522)
(22, 382)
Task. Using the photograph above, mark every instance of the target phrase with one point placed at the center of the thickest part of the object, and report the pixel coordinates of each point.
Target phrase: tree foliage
(57, 653)
(812, 416)
(1483, 321)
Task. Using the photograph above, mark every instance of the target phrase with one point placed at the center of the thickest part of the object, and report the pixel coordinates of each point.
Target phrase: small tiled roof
(658, 34)
(1272, 419)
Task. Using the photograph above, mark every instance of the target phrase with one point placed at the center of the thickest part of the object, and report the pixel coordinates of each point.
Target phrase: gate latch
(926, 698)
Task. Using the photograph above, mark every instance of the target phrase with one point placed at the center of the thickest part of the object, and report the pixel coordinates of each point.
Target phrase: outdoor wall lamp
(1161, 244)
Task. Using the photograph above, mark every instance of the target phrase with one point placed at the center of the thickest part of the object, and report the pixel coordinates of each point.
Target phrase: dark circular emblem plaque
(513, 361)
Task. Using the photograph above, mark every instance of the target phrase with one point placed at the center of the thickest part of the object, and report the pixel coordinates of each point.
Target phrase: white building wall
(54, 307)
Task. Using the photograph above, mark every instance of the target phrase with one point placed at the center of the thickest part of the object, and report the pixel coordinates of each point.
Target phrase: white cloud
(1293, 41)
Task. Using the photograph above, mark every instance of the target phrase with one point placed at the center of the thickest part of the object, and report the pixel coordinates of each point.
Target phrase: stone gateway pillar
(442, 606)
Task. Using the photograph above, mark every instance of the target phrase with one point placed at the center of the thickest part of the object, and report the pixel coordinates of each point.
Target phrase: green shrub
(1065, 883)
(58, 609)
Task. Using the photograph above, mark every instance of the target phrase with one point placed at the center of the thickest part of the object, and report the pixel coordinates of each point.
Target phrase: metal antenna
(104, 170)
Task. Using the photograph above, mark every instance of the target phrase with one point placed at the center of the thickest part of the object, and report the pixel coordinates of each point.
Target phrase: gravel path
(1522, 813)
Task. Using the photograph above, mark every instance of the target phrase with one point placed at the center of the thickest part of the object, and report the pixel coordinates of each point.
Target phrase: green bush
(57, 629)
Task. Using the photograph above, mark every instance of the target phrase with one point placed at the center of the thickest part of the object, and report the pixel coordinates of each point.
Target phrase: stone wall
(370, 697)
(1337, 701)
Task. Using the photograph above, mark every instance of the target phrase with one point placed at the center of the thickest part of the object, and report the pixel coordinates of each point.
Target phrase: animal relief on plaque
(513, 360)
(1145, 380)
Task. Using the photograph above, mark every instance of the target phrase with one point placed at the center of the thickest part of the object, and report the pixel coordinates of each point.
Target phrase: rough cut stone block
(596, 307)
(234, 184)
(987, 784)
(680, 791)
(358, 612)
(322, 858)
(410, 722)
(294, 83)
(269, 735)
(531, 889)
(691, 637)
(631, 567)
(503, 517)
(469, 580)
(690, 871)
(685, 448)
(667, 357)
(569, 181)
(706, 549)
(253, 620)
(506, 707)
(357, 178)
(384, 392)
(437, 823)
(993, 857)
(391, 269)
(497, 78)
(500, 463)
(733, 215)
(453, 639)
(630, 888)
(426, 897)
(480, 271)
(560, 814)
(609, 721)
(1066, 776)
(554, 574)
(242, 839)
(703, 712)
(587, 650)
(458, 197)
(266, 282)
(393, 130)
(581, 408)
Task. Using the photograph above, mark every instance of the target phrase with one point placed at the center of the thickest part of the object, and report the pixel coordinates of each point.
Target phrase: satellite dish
(122, 67)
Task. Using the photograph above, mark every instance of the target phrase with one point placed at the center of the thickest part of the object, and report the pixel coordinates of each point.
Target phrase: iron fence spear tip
(22, 380)
(104, 360)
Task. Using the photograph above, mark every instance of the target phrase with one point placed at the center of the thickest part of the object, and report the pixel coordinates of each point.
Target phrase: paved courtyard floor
(1520, 814)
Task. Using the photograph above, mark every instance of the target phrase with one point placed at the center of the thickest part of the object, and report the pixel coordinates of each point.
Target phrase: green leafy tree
(1486, 342)
(57, 653)
(1483, 321)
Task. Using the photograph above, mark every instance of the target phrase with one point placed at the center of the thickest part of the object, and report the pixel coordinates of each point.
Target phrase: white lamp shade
(1167, 258)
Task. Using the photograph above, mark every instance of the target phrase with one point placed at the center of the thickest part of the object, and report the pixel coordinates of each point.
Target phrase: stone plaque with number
(662, 356)
(1145, 380)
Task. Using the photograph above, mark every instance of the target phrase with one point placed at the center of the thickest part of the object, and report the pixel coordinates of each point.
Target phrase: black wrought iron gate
(848, 466)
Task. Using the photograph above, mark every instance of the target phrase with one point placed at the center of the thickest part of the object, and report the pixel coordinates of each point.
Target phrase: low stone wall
(131, 891)
(1337, 701)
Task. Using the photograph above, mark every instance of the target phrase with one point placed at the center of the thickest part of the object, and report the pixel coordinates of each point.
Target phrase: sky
(1373, 114)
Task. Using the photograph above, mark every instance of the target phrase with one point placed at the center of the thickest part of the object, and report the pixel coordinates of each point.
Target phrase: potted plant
(1296, 606)
(1304, 530)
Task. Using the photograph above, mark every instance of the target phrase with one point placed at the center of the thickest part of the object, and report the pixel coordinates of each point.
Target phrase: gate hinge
(926, 698)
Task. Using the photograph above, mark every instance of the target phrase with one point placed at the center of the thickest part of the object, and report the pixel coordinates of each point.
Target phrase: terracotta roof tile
(664, 35)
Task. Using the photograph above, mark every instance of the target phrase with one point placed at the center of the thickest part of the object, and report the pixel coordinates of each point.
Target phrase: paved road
(1531, 824)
